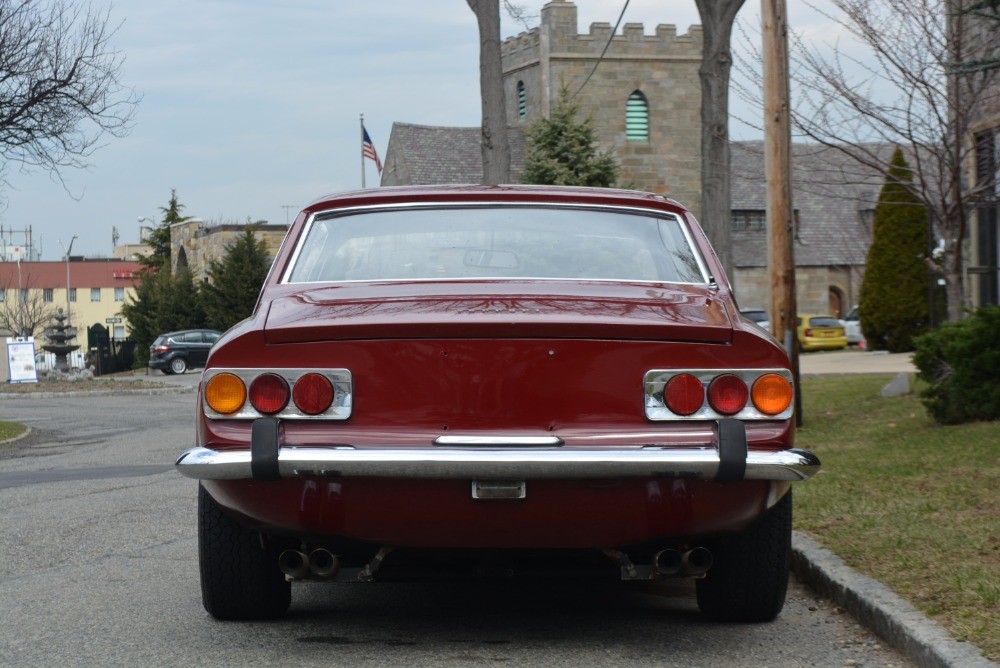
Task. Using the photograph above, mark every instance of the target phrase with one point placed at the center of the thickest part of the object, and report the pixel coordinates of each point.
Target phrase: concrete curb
(876, 607)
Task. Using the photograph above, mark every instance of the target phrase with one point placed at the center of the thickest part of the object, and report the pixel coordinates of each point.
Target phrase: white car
(852, 327)
(758, 316)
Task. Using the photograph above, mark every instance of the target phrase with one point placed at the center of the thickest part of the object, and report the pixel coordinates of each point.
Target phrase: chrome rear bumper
(497, 463)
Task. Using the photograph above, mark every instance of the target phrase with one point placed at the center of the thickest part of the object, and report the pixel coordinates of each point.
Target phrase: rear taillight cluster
(284, 393)
(705, 394)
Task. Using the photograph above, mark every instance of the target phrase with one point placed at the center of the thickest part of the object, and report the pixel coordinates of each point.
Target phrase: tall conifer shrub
(894, 293)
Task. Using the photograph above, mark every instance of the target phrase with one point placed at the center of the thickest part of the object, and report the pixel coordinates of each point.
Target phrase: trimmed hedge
(961, 362)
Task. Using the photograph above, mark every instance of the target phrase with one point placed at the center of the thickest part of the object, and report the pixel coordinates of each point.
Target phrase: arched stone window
(637, 117)
(182, 260)
(522, 102)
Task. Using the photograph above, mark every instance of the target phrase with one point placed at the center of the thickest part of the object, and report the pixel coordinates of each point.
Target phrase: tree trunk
(496, 148)
(717, 18)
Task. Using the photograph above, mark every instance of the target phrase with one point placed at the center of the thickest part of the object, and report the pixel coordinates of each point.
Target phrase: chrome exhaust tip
(668, 562)
(294, 564)
(323, 563)
(696, 561)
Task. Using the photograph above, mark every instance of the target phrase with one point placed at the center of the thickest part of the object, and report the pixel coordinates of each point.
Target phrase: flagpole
(362, 151)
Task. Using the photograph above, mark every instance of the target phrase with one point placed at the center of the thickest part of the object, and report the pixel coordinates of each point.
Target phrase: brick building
(97, 290)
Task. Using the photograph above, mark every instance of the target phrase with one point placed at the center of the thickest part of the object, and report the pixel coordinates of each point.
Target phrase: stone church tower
(644, 96)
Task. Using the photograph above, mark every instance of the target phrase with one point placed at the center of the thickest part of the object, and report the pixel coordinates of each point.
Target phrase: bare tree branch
(60, 84)
(24, 310)
(903, 89)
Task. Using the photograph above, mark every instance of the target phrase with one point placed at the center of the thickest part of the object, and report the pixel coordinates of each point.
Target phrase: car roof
(501, 193)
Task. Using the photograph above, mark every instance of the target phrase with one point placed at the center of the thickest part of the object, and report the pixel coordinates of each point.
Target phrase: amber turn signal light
(771, 394)
(225, 393)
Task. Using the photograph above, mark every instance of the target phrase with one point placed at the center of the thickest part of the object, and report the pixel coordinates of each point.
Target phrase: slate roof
(830, 192)
(432, 155)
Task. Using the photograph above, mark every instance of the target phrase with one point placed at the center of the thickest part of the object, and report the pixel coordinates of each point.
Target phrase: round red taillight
(728, 394)
(269, 393)
(313, 393)
(684, 394)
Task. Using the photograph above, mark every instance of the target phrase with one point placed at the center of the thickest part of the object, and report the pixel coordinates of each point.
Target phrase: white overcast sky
(250, 106)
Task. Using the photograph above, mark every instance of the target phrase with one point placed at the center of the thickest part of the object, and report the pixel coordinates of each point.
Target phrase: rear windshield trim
(633, 210)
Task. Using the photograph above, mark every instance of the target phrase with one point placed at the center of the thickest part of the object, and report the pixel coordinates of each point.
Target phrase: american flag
(368, 150)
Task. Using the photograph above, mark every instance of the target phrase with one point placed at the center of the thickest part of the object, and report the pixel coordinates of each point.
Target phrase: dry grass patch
(906, 501)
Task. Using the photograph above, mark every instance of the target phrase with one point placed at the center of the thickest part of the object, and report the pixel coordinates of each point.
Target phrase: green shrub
(961, 363)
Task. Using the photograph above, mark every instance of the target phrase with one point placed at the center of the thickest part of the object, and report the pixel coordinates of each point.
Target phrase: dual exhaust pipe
(320, 564)
(693, 563)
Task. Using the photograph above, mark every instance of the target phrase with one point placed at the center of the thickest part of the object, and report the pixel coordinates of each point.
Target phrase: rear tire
(240, 578)
(178, 365)
(748, 579)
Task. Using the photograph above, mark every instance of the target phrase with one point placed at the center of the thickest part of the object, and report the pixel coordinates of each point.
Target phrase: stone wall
(196, 245)
(662, 66)
(814, 286)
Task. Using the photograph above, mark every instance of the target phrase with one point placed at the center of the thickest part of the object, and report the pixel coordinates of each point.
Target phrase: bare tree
(717, 18)
(495, 145)
(60, 84)
(911, 90)
(24, 310)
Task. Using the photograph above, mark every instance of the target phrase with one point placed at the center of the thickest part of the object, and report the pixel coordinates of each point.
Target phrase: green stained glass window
(637, 117)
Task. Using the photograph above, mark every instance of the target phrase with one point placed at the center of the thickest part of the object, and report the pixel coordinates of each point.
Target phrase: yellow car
(820, 332)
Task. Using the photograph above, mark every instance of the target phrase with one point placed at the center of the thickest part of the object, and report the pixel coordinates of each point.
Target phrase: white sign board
(21, 362)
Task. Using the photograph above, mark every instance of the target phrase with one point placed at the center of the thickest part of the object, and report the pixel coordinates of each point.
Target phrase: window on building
(988, 217)
(867, 217)
(119, 294)
(47, 295)
(95, 294)
(749, 220)
(522, 102)
(3, 296)
(637, 117)
(24, 295)
(72, 294)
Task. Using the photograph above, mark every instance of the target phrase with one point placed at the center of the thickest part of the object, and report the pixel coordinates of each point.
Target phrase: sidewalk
(855, 361)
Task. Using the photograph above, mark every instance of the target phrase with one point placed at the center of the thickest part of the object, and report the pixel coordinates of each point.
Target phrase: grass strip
(11, 430)
(906, 501)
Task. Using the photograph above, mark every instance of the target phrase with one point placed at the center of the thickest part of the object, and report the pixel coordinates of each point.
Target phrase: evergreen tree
(894, 300)
(162, 302)
(562, 150)
(235, 281)
(159, 237)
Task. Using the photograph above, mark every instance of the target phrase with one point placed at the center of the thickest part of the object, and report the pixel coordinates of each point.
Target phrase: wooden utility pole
(778, 170)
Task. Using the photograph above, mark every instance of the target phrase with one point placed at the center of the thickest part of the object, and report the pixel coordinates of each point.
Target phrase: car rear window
(496, 242)
(824, 322)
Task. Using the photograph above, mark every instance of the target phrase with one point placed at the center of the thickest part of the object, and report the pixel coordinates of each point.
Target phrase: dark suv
(176, 352)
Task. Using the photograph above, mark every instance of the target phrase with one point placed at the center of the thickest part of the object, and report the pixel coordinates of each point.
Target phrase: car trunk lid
(499, 309)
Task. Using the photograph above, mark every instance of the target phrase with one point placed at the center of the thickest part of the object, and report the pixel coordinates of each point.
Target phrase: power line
(606, 46)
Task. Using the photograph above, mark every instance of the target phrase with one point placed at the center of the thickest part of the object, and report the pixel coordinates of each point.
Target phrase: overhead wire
(606, 46)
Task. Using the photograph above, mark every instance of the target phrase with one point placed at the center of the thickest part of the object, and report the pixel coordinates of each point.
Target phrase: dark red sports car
(503, 381)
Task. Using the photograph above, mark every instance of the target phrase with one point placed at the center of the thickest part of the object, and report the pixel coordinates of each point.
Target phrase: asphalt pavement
(874, 605)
